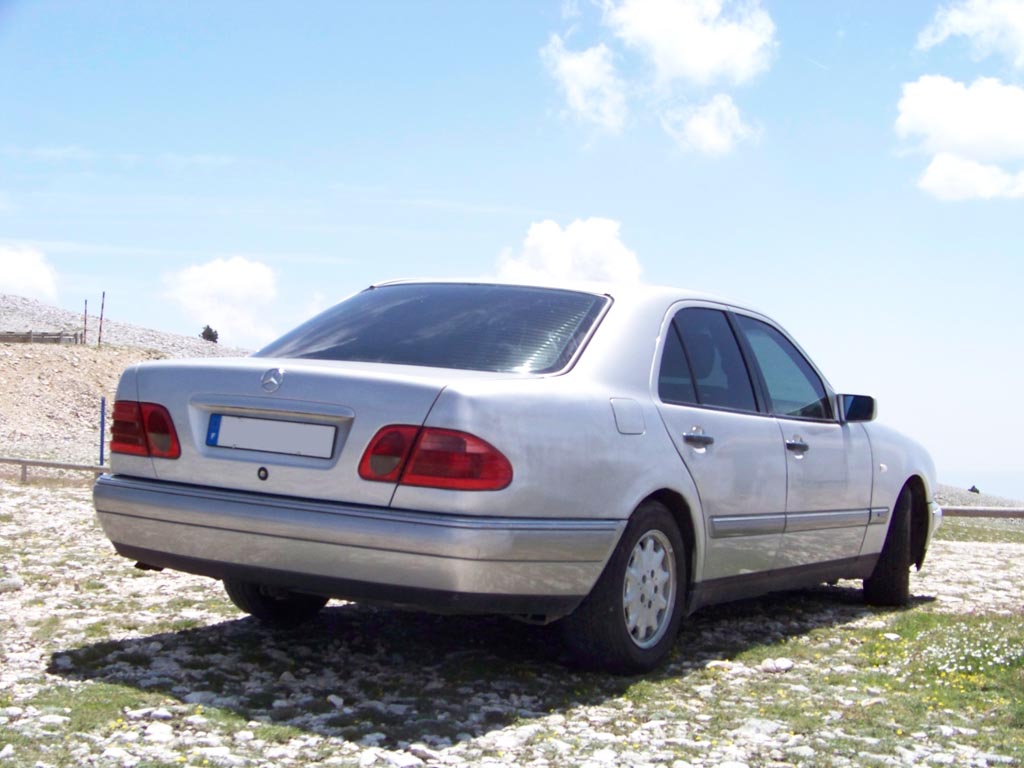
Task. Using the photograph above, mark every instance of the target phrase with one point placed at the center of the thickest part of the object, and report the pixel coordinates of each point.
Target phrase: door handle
(797, 445)
(698, 439)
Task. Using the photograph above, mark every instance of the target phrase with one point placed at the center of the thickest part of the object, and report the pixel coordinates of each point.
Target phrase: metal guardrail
(1011, 513)
(26, 463)
(42, 337)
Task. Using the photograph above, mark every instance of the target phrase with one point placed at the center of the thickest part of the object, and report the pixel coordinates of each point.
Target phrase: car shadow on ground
(390, 677)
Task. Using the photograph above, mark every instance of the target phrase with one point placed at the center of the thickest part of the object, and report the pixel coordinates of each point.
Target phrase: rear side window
(715, 369)
(793, 387)
(497, 328)
(675, 385)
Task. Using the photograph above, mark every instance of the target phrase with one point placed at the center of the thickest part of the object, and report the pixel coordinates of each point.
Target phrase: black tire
(629, 621)
(889, 583)
(273, 605)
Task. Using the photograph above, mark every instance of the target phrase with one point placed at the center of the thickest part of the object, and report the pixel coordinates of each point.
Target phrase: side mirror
(857, 407)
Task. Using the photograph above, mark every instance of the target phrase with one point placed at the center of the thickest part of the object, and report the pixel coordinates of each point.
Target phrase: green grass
(95, 706)
(981, 529)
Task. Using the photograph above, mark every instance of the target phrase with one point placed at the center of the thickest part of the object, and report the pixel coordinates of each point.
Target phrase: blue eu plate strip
(213, 431)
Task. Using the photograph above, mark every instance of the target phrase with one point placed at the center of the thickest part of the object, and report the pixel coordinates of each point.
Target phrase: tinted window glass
(474, 327)
(719, 373)
(674, 382)
(793, 386)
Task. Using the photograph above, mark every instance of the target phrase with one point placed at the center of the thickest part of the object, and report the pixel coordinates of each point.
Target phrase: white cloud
(971, 132)
(588, 249)
(714, 128)
(593, 91)
(570, 9)
(235, 296)
(984, 121)
(951, 177)
(25, 272)
(991, 26)
(698, 41)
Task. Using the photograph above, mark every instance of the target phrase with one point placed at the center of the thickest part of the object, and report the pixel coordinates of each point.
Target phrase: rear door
(829, 463)
(733, 451)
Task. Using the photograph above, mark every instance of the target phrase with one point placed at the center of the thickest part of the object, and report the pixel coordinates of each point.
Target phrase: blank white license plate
(289, 437)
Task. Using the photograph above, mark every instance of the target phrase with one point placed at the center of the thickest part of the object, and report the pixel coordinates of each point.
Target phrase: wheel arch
(685, 518)
(918, 520)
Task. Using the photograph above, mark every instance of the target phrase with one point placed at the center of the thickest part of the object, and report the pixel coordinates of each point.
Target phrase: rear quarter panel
(569, 459)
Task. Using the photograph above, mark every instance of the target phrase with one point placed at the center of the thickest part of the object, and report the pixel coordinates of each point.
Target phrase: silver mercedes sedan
(612, 458)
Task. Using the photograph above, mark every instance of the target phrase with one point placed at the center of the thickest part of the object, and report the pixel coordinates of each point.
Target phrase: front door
(828, 492)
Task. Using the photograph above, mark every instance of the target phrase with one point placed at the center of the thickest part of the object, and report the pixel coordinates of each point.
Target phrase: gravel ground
(106, 665)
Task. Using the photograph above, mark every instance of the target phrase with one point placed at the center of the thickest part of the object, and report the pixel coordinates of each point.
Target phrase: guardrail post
(24, 473)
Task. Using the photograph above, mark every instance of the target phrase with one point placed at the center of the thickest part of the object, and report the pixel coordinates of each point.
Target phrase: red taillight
(143, 429)
(126, 432)
(435, 458)
(385, 457)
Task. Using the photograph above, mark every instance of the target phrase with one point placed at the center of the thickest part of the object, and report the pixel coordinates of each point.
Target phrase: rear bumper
(439, 562)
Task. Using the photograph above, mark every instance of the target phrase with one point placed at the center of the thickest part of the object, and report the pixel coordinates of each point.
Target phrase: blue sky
(853, 169)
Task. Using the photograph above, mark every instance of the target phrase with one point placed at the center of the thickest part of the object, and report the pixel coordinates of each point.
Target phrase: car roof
(627, 292)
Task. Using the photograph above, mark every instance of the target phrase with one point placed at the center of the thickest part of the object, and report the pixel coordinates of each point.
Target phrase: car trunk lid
(284, 427)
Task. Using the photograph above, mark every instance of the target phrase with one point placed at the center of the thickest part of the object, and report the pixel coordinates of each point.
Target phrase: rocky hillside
(50, 398)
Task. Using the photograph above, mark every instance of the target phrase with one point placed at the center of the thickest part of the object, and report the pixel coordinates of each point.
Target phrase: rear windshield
(473, 327)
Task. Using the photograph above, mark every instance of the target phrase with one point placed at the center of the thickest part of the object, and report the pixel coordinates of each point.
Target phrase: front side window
(793, 386)
(477, 327)
(716, 369)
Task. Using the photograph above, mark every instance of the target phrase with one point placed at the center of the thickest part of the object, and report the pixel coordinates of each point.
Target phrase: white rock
(7, 751)
(159, 732)
(336, 701)
(161, 714)
(122, 756)
(560, 746)
(13, 585)
(993, 758)
(803, 752)
(54, 720)
(401, 759)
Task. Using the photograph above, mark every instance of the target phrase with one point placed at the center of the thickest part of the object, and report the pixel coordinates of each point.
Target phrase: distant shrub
(209, 334)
